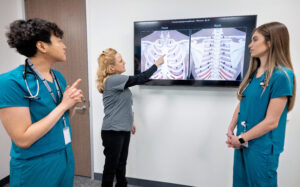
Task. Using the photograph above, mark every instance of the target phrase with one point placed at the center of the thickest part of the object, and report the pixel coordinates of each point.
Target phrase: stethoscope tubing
(31, 96)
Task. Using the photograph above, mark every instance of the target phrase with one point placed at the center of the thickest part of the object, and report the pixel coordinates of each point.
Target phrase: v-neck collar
(260, 77)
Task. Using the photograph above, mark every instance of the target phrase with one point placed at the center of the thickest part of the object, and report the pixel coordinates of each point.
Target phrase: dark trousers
(116, 144)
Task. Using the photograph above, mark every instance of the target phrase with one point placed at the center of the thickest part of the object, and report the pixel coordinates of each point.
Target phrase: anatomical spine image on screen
(203, 54)
(175, 46)
(217, 53)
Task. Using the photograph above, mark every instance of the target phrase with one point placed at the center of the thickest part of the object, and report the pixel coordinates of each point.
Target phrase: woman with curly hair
(34, 104)
(118, 119)
(266, 95)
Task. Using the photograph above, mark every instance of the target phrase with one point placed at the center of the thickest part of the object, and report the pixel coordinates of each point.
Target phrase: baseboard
(144, 183)
(4, 181)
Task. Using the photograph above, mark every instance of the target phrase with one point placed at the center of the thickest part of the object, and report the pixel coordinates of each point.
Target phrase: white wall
(10, 10)
(181, 130)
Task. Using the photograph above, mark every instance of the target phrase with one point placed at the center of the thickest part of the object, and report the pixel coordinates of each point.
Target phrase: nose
(250, 45)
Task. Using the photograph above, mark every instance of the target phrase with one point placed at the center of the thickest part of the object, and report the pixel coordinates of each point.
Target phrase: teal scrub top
(13, 90)
(254, 105)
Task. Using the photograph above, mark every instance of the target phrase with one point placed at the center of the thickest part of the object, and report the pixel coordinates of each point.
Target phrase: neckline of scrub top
(260, 77)
(50, 81)
(22, 65)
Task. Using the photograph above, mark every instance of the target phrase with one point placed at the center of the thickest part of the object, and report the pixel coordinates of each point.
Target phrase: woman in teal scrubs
(266, 95)
(34, 104)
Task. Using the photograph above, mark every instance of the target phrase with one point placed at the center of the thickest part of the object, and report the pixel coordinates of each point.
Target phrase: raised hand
(160, 61)
(72, 95)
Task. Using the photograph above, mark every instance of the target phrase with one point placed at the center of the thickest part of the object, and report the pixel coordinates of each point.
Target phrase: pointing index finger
(76, 83)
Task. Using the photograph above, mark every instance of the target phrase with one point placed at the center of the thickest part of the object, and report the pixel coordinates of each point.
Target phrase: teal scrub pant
(254, 169)
(54, 169)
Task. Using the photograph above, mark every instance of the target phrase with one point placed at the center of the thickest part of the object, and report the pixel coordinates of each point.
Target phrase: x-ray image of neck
(174, 45)
(217, 54)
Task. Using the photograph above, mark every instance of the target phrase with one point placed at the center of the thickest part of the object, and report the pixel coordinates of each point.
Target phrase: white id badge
(67, 135)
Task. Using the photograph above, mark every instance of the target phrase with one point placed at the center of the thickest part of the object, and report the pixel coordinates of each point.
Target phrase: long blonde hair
(279, 56)
(105, 60)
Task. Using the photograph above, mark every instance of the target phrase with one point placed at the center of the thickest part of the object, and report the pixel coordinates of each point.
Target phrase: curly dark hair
(23, 35)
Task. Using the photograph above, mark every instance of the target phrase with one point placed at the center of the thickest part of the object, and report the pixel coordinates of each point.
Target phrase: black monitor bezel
(226, 21)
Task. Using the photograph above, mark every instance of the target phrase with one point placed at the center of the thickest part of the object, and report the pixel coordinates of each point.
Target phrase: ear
(269, 44)
(41, 47)
(111, 68)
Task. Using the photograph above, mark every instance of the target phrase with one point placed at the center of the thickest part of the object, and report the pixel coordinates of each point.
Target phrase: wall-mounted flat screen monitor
(198, 52)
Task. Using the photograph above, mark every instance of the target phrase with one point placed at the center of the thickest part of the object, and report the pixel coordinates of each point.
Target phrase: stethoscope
(33, 70)
(37, 75)
(31, 96)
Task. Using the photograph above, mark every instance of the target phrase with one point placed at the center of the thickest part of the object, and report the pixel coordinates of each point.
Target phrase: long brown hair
(105, 60)
(279, 56)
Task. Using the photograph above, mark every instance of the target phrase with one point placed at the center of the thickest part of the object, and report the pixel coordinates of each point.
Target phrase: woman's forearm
(260, 129)
(38, 129)
(141, 78)
(275, 109)
(234, 119)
